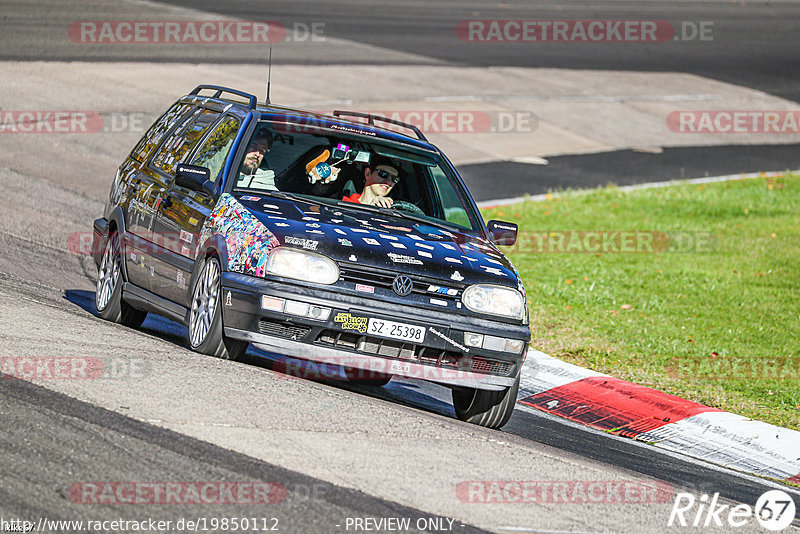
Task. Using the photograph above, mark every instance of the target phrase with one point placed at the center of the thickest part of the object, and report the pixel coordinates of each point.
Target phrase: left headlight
(301, 265)
(494, 300)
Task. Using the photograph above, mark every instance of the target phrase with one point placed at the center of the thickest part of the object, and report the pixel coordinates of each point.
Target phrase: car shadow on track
(413, 393)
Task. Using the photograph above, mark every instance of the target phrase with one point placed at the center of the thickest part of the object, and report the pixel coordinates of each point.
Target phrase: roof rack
(373, 118)
(252, 100)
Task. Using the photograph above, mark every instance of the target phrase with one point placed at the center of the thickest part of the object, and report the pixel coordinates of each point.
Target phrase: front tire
(491, 409)
(205, 318)
(108, 293)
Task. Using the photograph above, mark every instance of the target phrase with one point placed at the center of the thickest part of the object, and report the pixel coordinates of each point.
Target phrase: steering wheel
(407, 206)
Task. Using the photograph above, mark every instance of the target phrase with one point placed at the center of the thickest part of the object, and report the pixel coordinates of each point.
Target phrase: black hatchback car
(330, 238)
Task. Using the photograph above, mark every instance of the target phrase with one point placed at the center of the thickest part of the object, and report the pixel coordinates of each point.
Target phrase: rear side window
(183, 140)
(157, 131)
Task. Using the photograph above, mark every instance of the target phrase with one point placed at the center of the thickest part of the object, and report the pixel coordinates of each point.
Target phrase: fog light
(296, 308)
(320, 313)
(514, 346)
(473, 340)
(494, 343)
(272, 303)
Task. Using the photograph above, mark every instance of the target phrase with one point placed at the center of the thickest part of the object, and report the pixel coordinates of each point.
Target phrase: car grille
(360, 274)
(278, 329)
(411, 352)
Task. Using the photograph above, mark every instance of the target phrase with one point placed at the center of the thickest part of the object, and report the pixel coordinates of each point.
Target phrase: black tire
(108, 291)
(205, 316)
(491, 409)
(366, 378)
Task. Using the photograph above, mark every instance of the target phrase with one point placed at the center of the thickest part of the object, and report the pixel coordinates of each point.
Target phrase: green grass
(718, 323)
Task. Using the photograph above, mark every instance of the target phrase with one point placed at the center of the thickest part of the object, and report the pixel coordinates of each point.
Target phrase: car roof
(335, 122)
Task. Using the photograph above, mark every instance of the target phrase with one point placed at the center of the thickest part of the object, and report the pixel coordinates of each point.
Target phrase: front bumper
(440, 357)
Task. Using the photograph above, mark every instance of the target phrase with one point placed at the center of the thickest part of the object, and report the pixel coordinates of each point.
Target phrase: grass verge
(690, 289)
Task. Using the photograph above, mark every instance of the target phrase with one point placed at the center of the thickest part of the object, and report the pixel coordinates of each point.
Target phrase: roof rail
(252, 100)
(373, 118)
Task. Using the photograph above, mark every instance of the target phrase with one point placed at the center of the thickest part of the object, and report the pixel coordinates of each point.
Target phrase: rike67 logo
(774, 510)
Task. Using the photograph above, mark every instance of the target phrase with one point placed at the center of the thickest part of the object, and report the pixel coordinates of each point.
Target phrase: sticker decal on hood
(247, 239)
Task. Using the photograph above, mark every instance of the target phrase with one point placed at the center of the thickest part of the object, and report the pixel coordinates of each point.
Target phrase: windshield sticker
(305, 243)
(248, 240)
(351, 322)
(398, 228)
(456, 276)
(400, 258)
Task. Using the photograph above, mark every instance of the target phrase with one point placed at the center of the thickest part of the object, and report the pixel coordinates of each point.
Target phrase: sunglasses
(386, 175)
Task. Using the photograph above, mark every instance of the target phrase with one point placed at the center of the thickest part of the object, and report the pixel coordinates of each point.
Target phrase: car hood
(362, 238)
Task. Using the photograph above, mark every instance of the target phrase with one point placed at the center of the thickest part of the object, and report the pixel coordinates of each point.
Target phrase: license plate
(390, 329)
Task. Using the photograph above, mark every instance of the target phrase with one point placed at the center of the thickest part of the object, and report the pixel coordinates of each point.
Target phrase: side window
(158, 130)
(183, 140)
(215, 150)
(454, 211)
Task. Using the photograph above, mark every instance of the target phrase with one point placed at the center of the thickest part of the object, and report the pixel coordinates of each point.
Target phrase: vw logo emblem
(402, 285)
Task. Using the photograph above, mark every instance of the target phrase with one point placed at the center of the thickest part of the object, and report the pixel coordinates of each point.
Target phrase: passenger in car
(252, 175)
(381, 176)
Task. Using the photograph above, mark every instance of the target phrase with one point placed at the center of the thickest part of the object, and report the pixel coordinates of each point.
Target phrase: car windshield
(352, 172)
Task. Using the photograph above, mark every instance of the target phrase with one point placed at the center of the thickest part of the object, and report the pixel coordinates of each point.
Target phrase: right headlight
(494, 300)
(302, 265)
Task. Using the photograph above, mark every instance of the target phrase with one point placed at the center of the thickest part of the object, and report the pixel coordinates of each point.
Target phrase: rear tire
(491, 409)
(205, 317)
(108, 293)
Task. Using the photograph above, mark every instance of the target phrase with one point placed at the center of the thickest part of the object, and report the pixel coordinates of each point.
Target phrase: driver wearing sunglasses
(381, 176)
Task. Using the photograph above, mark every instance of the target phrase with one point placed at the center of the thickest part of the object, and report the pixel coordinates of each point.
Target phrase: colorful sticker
(345, 242)
(351, 322)
(247, 239)
(365, 288)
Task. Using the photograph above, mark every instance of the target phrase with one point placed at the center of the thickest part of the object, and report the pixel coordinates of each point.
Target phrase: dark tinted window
(183, 140)
(157, 131)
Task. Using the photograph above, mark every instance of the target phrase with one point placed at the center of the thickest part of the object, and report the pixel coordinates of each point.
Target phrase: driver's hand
(383, 202)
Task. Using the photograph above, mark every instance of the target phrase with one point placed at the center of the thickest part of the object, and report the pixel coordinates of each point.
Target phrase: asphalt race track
(335, 457)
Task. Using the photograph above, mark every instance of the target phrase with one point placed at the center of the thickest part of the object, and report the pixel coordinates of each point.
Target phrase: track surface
(389, 452)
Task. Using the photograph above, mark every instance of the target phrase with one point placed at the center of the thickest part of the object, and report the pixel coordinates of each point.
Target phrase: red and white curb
(666, 421)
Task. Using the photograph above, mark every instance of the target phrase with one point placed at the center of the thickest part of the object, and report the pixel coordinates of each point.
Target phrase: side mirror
(195, 178)
(502, 233)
